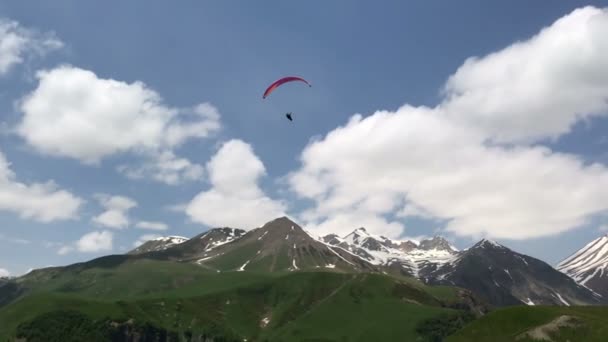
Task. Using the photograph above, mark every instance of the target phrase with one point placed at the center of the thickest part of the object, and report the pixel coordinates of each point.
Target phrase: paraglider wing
(281, 81)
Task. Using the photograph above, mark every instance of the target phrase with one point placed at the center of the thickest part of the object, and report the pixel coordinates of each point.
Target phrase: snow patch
(265, 321)
(562, 299)
(260, 238)
(529, 302)
(243, 267)
(522, 259)
(330, 266)
(206, 258)
(294, 264)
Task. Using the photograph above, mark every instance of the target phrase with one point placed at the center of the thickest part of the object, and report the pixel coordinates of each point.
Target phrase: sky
(468, 120)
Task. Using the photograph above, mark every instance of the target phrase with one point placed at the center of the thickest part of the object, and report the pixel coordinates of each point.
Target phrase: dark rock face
(503, 277)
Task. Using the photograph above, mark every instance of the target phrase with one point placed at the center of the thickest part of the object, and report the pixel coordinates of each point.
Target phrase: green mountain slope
(181, 297)
(558, 323)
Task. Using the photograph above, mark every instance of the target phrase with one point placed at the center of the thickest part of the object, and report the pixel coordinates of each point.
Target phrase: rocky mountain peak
(487, 243)
(437, 243)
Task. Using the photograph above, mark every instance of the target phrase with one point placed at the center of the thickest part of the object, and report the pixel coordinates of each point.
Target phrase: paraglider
(280, 82)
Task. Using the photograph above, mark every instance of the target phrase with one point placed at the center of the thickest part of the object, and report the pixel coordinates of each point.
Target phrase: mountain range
(279, 282)
(492, 271)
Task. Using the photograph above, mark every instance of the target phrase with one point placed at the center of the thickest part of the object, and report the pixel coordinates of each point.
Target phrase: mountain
(398, 257)
(589, 266)
(279, 245)
(360, 237)
(503, 277)
(497, 274)
(281, 283)
(436, 243)
(197, 246)
(158, 244)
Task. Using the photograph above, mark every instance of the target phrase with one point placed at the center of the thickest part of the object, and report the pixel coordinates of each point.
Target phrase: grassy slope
(506, 324)
(300, 305)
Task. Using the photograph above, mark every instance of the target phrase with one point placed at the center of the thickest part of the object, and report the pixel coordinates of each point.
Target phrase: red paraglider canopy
(281, 81)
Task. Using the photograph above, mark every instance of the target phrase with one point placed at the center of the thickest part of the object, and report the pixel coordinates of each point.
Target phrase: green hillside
(189, 299)
(509, 324)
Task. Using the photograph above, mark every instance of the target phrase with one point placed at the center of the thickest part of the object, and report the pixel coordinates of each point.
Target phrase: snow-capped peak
(488, 243)
(587, 263)
(174, 239)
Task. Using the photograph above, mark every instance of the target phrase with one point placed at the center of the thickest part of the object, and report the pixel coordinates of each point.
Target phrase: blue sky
(479, 159)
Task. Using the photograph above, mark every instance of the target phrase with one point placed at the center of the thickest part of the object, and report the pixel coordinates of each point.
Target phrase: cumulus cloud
(151, 225)
(234, 173)
(43, 202)
(145, 238)
(93, 242)
(18, 43)
(343, 223)
(116, 213)
(438, 163)
(4, 273)
(536, 88)
(75, 113)
(165, 167)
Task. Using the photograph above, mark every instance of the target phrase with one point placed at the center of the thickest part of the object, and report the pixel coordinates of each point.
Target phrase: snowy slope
(406, 257)
(589, 265)
(159, 244)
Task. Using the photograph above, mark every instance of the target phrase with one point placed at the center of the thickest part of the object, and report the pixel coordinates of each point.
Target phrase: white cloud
(208, 120)
(4, 272)
(150, 225)
(145, 238)
(65, 250)
(436, 162)
(74, 113)
(17, 43)
(537, 88)
(116, 214)
(235, 198)
(43, 202)
(165, 167)
(93, 242)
